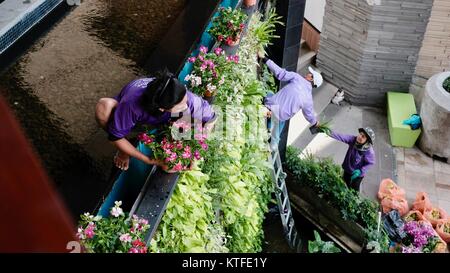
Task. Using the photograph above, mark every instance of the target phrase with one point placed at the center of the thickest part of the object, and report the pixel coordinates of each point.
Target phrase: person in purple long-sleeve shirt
(296, 95)
(360, 155)
(151, 101)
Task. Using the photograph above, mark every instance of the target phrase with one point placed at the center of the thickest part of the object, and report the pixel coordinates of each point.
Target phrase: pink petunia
(186, 154)
(218, 51)
(197, 155)
(178, 167)
(192, 59)
(203, 49)
(133, 250)
(125, 238)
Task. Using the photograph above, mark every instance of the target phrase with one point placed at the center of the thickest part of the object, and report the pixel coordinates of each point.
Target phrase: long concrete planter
(435, 114)
(347, 234)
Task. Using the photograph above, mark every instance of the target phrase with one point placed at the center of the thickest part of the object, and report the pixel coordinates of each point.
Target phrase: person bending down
(151, 101)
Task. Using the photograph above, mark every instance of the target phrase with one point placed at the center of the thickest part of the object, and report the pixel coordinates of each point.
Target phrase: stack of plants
(325, 178)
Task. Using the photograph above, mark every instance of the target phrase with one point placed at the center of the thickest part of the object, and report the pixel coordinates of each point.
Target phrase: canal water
(53, 77)
(73, 58)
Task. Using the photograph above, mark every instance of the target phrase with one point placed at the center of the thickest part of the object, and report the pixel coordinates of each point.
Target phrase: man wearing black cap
(360, 155)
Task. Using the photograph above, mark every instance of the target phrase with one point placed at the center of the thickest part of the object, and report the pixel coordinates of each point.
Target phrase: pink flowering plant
(208, 71)
(178, 145)
(228, 26)
(421, 238)
(115, 234)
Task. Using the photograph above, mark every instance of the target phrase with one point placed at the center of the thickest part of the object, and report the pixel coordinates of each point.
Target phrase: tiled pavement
(418, 172)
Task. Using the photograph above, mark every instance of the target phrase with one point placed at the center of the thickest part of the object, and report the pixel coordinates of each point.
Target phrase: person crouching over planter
(360, 155)
(152, 101)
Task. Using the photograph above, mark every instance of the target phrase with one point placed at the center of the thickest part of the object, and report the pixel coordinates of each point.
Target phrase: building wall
(314, 11)
(434, 56)
(371, 47)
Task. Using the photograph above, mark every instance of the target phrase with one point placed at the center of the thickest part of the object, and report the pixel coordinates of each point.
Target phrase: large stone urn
(435, 114)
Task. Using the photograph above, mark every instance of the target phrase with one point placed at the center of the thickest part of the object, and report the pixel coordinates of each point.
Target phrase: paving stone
(441, 167)
(442, 178)
(417, 161)
(419, 181)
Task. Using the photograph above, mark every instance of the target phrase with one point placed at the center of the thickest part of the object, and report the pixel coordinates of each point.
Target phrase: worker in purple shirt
(360, 155)
(151, 101)
(296, 95)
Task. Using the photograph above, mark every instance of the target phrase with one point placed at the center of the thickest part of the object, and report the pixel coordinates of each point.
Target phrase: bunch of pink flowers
(179, 147)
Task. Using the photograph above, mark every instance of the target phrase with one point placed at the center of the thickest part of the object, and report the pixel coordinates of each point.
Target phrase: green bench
(401, 106)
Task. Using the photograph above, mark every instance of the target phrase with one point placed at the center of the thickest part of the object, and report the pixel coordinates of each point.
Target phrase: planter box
(347, 234)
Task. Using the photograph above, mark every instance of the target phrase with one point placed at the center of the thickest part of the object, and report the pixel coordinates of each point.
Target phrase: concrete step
(306, 58)
(299, 134)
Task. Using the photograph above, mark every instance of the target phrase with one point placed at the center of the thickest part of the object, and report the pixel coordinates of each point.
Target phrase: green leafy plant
(228, 25)
(325, 178)
(446, 84)
(324, 128)
(189, 224)
(319, 246)
(264, 30)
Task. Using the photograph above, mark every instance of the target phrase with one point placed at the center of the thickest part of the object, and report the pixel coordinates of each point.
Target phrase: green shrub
(446, 84)
(325, 178)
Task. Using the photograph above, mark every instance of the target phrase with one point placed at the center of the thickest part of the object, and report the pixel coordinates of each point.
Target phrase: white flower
(118, 203)
(198, 80)
(89, 215)
(188, 77)
(97, 218)
(211, 87)
(116, 212)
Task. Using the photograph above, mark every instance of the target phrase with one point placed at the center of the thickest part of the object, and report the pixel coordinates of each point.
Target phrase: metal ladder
(284, 205)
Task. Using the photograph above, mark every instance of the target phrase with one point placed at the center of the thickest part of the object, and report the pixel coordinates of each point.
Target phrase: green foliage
(446, 84)
(188, 224)
(264, 30)
(325, 178)
(319, 246)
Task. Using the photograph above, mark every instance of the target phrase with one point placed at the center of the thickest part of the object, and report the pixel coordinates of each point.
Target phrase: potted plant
(116, 234)
(228, 26)
(208, 71)
(434, 113)
(178, 146)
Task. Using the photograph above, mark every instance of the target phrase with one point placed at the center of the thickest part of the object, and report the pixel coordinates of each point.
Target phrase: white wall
(314, 12)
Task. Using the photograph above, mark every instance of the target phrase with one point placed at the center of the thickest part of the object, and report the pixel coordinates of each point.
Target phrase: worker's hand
(356, 174)
(267, 112)
(209, 126)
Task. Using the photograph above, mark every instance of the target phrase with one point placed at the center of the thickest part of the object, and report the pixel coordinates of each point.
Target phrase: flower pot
(236, 41)
(435, 114)
(249, 3)
(209, 96)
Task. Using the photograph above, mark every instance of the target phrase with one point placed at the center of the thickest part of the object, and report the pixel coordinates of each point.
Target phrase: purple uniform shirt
(296, 95)
(129, 112)
(355, 159)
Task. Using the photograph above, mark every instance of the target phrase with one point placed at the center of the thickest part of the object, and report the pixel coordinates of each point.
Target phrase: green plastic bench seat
(401, 106)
